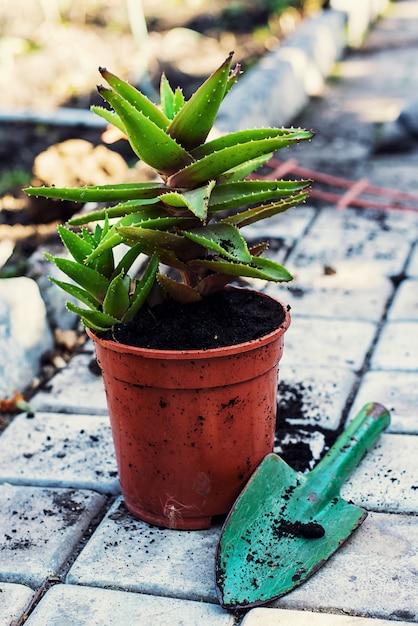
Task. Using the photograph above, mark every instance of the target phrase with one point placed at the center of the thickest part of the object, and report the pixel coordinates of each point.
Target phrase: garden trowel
(285, 524)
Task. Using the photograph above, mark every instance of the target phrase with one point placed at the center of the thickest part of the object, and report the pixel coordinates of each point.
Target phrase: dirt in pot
(224, 318)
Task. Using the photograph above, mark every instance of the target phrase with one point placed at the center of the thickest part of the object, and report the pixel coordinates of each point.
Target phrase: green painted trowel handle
(361, 434)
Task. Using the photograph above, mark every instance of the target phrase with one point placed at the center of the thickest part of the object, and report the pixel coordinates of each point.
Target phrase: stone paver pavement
(70, 553)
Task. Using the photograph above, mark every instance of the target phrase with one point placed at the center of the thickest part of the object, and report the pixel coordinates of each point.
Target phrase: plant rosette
(189, 221)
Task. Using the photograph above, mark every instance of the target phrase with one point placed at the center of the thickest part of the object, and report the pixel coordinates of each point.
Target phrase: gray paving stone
(332, 343)
(292, 224)
(360, 14)
(412, 268)
(405, 303)
(280, 83)
(397, 391)
(74, 390)
(311, 399)
(59, 450)
(345, 294)
(68, 605)
(369, 222)
(365, 254)
(130, 555)
(14, 600)
(373, 574)
(287, 617)
(321, 39)
(397, 347)
(40, 529)
(386, 479)
(313, 396)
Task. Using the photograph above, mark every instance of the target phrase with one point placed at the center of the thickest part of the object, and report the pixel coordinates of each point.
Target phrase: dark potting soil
(227, 317)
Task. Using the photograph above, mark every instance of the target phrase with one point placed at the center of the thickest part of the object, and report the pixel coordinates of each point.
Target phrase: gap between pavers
(332, 293)
(14, 600)
(87, 606)
(397, 391)
(386, 479)
(328, 342)
(59, 450)
(75, 389)
(127, 554)
(311, 400)
(370, 223)
(290, 225)
(378, 252)
(372, 574)
(412, 269)
(341, 268)
(397, 347)
(40, 530)
(405, 304)
(318, 393)
(287, 617)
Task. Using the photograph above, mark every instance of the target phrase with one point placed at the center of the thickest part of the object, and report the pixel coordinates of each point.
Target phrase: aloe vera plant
(189, 219)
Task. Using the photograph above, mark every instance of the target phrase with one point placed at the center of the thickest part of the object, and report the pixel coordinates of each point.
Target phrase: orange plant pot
(189, 427)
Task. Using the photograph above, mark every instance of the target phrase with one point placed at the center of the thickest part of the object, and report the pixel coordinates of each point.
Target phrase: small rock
(408, 118)
(24, 333)
(77, 162)
(400, 135)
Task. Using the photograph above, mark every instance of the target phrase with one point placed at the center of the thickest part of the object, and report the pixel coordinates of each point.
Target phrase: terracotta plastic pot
(189, 427)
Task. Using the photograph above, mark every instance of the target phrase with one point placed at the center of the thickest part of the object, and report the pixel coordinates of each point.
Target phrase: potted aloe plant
(191, 419)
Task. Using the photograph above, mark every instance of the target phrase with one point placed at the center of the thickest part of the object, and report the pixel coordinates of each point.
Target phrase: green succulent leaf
(190, 221)
(243, 170)
(101, 231)
(192, 124)
(171, 101)
(113, 237)
(116, 302)
(270, 270)
(88, 236)
(149, 142)
(172, 249)
(128, 259)
(250, 216)
(284, 136)
(259, 268)
(143, 289)
(216, 163)
(96, 320)
(135, 98)
(76, 292)
(232, 195)
(100, 193)
(149, 208)
(224, 239)
(151, 239)
(109, 116)
(233, 77)
(91, 280)
(195, 200)
(105, 264)
(76, 244)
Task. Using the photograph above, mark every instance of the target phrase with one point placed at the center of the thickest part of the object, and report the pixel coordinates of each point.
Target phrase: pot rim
(153, 353)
